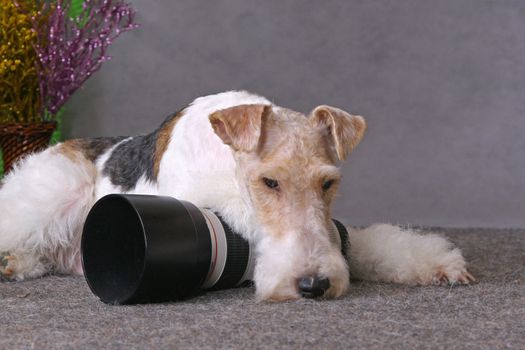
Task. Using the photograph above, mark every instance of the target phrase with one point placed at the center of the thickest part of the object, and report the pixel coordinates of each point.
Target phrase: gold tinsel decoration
(20, 99)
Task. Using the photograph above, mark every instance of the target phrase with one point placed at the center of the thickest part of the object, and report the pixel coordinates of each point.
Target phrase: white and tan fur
(220, 154)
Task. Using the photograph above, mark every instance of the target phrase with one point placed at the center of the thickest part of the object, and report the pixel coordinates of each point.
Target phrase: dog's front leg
(274, 275)
(391, 254)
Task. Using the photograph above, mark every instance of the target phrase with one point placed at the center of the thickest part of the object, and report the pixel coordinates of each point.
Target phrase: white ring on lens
(219, 248)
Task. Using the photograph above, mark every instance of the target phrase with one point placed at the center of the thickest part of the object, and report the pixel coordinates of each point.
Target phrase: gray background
(441, 84)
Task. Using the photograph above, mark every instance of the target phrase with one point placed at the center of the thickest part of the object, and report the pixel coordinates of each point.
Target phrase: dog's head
(287, 170)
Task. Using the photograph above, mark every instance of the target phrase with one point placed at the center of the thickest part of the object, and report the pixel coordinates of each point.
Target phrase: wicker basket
(19, 139)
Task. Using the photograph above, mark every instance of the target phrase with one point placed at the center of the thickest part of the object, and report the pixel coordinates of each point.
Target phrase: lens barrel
(142, 248)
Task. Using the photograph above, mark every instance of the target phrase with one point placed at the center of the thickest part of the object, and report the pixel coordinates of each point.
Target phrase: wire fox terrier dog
(269, 171)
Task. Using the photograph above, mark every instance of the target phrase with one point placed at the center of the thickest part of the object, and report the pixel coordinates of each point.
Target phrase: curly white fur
(389, 253)
(43, 203)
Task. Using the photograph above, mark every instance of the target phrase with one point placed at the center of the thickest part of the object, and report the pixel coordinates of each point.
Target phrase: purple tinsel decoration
(71, 50)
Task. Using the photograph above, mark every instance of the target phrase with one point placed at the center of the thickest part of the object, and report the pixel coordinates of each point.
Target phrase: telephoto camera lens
(143, 248)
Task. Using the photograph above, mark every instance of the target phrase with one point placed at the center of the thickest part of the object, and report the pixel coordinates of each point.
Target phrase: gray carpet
(60, 312)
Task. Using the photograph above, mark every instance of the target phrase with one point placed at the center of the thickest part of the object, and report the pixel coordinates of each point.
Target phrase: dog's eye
(327, 185)
(271, 183)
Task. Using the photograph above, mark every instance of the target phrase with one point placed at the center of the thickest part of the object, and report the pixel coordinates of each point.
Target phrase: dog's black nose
(313, 286)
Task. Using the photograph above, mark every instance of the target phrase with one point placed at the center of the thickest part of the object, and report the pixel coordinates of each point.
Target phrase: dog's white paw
(16, 266)
(7, 267)
(450, 268)
(444, 276)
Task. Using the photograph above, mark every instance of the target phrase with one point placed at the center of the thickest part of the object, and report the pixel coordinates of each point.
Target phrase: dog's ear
(345, 130)
(240, 127)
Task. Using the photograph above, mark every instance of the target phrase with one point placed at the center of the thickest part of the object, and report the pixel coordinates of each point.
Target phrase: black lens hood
(140, 248)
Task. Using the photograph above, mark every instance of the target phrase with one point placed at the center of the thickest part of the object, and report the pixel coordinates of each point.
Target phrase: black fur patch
(130, 160)
(135, 158)
(92, 148)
